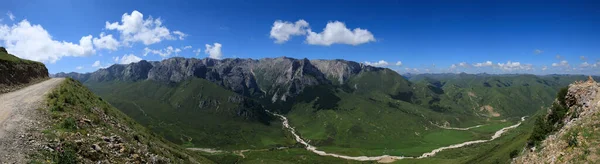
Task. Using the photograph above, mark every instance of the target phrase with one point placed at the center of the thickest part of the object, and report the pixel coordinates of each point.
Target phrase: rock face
(275, 78)
(576, 141)
(16, 72)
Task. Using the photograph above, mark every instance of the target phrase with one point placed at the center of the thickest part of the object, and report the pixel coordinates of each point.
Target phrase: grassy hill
(86, 129)
(16, 72)
(196, 113)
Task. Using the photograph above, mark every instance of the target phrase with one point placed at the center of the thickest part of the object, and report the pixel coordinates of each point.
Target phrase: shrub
(552, 122)
(69, 124)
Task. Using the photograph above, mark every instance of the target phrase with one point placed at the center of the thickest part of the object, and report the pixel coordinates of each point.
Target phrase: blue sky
(539, 37)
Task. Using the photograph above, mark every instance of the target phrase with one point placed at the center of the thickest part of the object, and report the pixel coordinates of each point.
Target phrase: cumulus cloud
(96, 64)
(584, 65)
(544, 68)
(166, 52)
(283, 30)
(484, 64)
(399, 63)
(411, 70)
(126, 59)
(461, 64)
(35, 43)
(538, 51)
(187, 47)
(134, 28)
(197, 51)
(337, 33)
(381, 63)
(514, 66)
(106, 42)
(562, 63)
(213, 51)
(79, 67)
(10, 15)
(180, 34)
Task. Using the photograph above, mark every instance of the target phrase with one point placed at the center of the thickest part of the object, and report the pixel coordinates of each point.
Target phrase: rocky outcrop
(16, 72)
(275, 78)
(338, 71)
(576, 141)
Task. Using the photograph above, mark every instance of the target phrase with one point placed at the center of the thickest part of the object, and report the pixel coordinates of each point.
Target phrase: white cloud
(180, 34)
(411, 70)
(134, 28)
(197, 51)
(79, 67)
(544, 68)
(35, 43)
(187, 47)
(166, 52)
(399, 63)
(562, 63)
(282, 31)
(97, 63)
(514, 66)
(106, 42)
(463, 64)
(10, 15)
(538, 51)
(126, 59)
(214, 51)
(484, 64)
(584, 65)
(337, 33)
(381, 63)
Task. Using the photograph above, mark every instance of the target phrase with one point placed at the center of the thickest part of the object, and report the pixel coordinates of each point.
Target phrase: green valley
(359, 111)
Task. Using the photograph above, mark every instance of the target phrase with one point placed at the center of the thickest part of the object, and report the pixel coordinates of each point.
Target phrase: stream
(388, 158)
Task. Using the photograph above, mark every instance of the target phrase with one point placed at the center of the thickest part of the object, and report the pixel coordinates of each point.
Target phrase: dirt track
(19, 120)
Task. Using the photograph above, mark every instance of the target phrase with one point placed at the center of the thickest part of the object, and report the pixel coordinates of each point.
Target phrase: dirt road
(19, 120)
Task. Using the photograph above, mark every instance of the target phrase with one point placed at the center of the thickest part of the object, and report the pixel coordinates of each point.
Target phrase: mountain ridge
(278, 78)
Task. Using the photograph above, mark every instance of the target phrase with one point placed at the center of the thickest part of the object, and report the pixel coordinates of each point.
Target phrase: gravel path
(20, 120)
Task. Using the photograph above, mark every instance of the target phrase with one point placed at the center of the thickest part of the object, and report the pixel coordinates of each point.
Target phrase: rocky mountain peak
(278, 78)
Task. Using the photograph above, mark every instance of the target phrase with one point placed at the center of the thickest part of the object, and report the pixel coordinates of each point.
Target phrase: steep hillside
(83, 128)
(16, 72)
(569, 132)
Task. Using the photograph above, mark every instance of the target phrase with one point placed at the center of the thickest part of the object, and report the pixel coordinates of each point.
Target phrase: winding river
(387, 158)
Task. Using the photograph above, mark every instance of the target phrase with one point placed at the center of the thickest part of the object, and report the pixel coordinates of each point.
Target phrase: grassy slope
(16, 72)
(71, 104)
(173, 112)
(363, 121)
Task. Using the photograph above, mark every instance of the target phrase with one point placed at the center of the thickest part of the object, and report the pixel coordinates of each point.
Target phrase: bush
(68, 156)
(514, 153)
(552, 122)
(69, 124)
